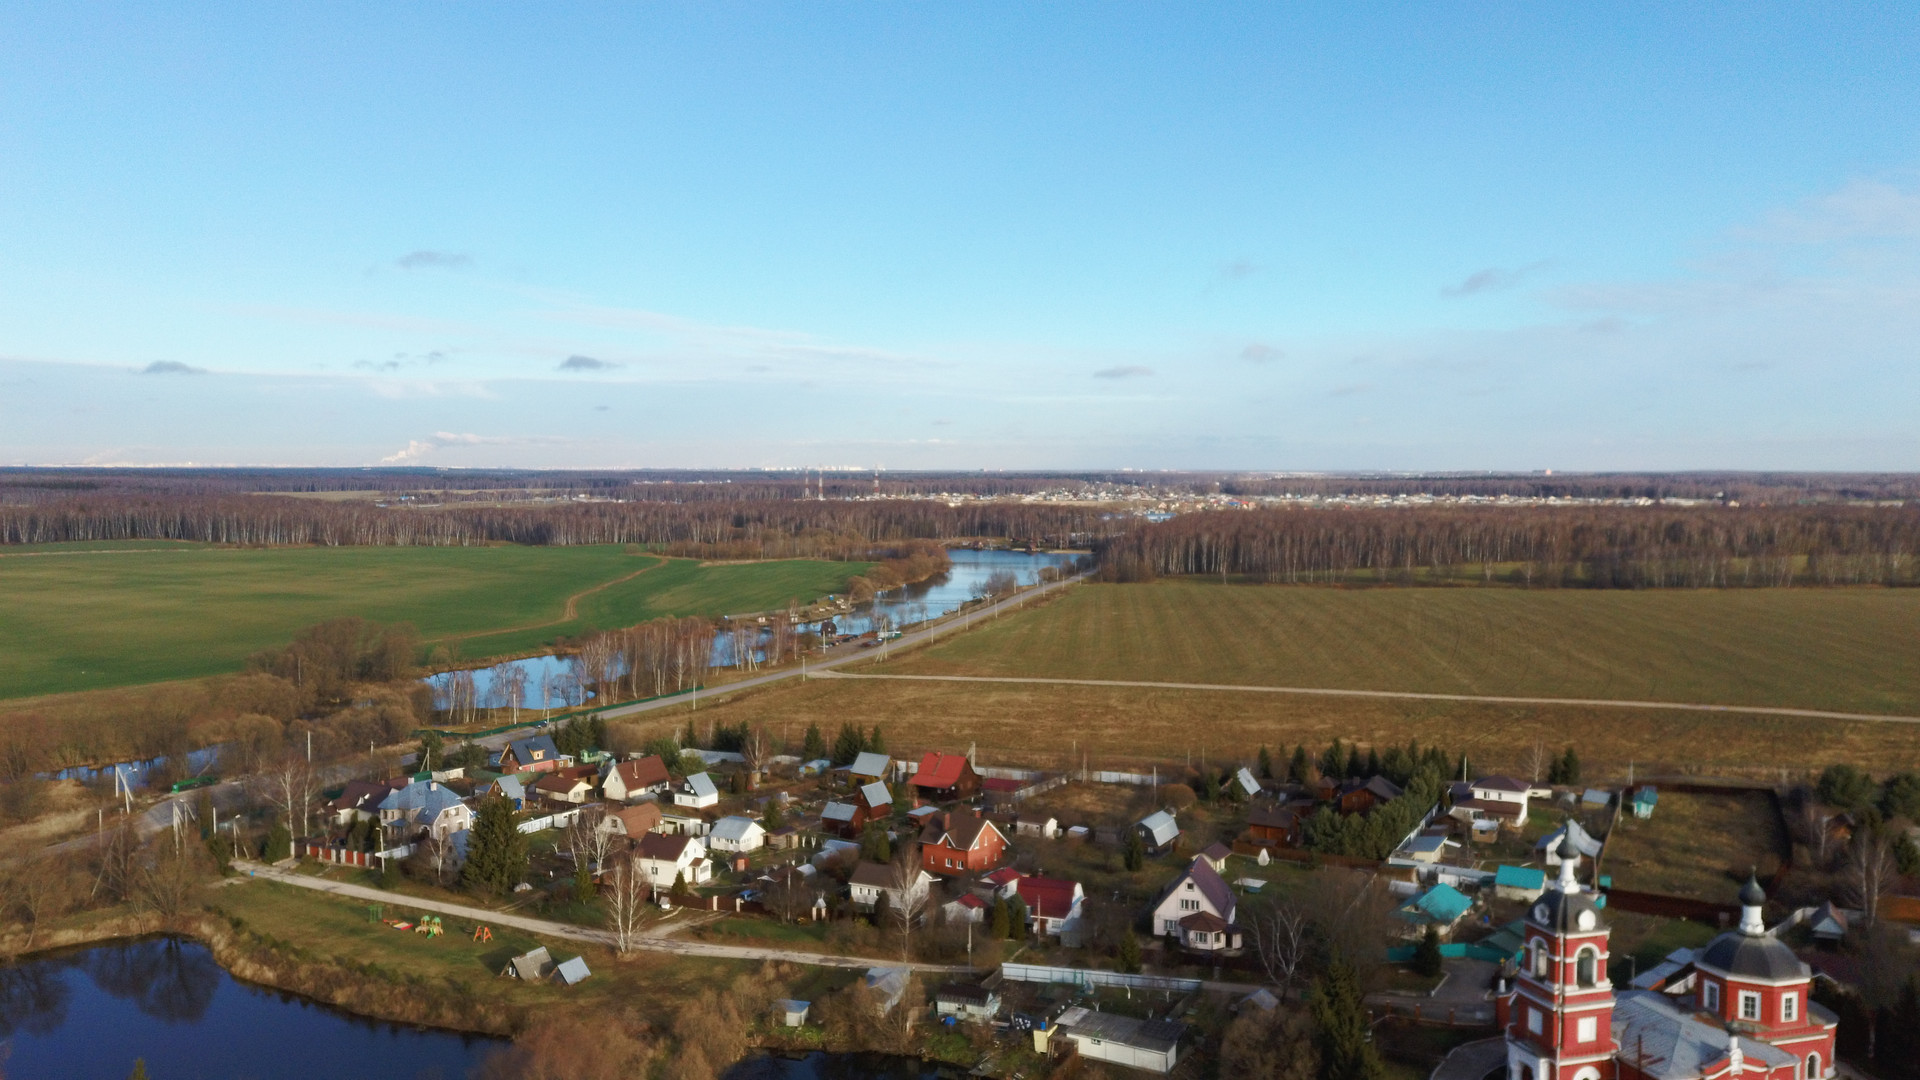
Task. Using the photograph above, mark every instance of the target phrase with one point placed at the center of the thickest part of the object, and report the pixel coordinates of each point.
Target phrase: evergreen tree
(496, 850)
(882, 907)
(1129, 952)
(1570, 767)
(1135, 855)
(1426, 957)
(876, 742)
(847, 745)
(1209, 786)
(1356, 767)
(875, 845)
(430, 751)
(689, 740)
(582, 880)
(1300, 769)
(1333, 763)
(998, 919)
(774, 818)
(681, 890)
(1373, 762)
(815, 747)
(1346, 1053)
(1016, 917)
(1266, 764)
(1846, 787)
(279, 843)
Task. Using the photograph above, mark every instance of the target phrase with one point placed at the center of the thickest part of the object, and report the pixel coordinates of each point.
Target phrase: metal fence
(1087, 978)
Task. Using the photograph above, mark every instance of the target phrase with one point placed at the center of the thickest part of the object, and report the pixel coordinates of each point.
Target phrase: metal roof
(1160, 828)
(572, 972)
(870, 764)
(701, 785)
(734, 828)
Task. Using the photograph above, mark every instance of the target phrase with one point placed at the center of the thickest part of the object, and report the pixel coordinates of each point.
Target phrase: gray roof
(532, 966)
(1159, 1036)
(1670, 1043)
(1502, 783)
(571, 972)
(1160, 828)
(733, 828)
(876, 795)
(1247, 781)
(524, 749)
(838, 811)
(1210, 885)
(1756, 956)
(870, 764)
(421, 795)
(1560, 911)
(889, 985)
(512, 786)
(1582, 839)
(702, 785)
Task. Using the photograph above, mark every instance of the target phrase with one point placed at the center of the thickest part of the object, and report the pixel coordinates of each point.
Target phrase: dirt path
(654, 939)
(568, 612)
(1604, 703)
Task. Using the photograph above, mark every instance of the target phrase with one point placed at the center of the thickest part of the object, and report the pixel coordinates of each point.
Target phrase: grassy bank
(76, 618)
(1838, 649)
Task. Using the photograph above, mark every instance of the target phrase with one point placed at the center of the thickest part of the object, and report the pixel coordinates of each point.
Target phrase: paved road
(1319, 691)
(655, 939)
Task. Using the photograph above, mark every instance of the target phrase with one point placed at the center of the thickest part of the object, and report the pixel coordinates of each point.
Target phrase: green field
(84, 618)
(1854, 650)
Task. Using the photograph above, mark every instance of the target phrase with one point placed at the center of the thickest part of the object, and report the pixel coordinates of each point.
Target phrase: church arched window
(1813, 1067)
(1540, 960)
(1584, 967)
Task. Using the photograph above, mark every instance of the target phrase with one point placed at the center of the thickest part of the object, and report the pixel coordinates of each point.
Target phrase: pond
(138, 773)
(823, 1066)
(91, 1012)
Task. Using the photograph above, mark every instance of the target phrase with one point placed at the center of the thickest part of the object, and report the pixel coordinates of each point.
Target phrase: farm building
(571, 972)
(791, 1013)
(531, 966)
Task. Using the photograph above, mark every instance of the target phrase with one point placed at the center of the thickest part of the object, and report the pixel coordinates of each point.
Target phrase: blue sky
(941, 236)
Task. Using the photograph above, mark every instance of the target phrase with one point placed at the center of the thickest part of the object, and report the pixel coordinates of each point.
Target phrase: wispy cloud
(1863, 209)
(1259, 353)
(1492, 279)
(171, 367)
(433, 260)
(1123, 371)
(577, 362)
(420, 448)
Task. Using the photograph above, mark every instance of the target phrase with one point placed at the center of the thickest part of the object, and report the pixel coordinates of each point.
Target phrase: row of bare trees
(1605, 547)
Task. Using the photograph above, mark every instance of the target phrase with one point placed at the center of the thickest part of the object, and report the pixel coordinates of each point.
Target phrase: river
(823, 1066)
(91, 1012)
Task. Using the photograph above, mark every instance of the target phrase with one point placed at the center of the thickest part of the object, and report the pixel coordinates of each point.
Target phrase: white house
(870, 881)
(1199, 889)
(736, 833)
(1041, 824)
(1152, 1045)
(425, 805)
(696, 791)
(641, 778)
(664, 858)
(1499, 797)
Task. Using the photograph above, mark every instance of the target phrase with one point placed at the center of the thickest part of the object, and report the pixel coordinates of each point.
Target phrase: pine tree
(848, 744)
(816, 744)
(582, 880)
(681, 890)
(279, 843)
(1266, 764)
(774, 818)
(689, 740)
(1135, 856)
(1016, 917)
(882, 907)
(1356, 767)
(1570, 767)
(1345, 1051)
(876, 742)
(1333, 763)
(496, 850)
(139, 1069)
(430, 751)
(1129, 952)
(1426, 957)
(999, 919)
(1373, 762)
(1300, 769)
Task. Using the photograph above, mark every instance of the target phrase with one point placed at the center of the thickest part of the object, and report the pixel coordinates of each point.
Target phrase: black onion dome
(1751, 894)
(1752, 956)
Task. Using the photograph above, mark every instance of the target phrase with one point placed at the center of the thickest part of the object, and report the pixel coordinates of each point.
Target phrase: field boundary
(1403, 695)
(569, 611)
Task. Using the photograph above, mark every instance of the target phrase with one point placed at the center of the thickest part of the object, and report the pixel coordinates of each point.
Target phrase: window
(1749, 1005)
(1789, 1007)
(1539, 961)
(1813, 1067)
(1533, 1021)
(1587, 1030)
(1189, 905)
(1710, 996)
(1583, 967)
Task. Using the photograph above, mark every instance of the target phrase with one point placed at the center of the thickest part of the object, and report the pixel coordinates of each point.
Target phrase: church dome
(1567, 913)
(1752, 956)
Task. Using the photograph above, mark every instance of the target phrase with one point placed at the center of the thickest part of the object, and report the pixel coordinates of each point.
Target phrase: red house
(945, 777)
(964, 845)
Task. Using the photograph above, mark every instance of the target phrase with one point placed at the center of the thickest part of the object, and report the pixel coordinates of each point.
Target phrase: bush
(1178, 796)
(1427, 960)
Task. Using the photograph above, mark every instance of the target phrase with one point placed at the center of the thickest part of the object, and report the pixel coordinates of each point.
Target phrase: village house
(869, 767)
(1361, 796)
(664, 858)
(675, 821)
(535, 753)
(1042, 825)
(360, 800)
(1051, 902)
(736, 834)
(1273, 826)
(637, 820)
(1159, 831)
(1442, 907)
(1198, 889)
(870, 881)
(945, 778)
(1519, 882)
(424, 807)
(696, 792)
(1216, 855)
(965, 844)
(966, 907)
(511, 787)
(562, 787)
(1500, 797)
(1205, 932)
(1151, 1045)
(967, 1001)
(640, 778)
(888, 985)
(871, 802)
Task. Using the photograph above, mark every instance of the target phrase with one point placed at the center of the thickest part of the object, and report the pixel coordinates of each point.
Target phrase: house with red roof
(1050, 901)
(945, 778)
(629, 781)
(963, 845)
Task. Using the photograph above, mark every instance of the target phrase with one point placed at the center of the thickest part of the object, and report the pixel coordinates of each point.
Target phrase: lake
(90, 1012)
(823, 1066)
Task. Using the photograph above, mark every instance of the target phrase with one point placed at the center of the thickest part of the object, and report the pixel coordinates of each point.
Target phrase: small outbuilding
(967, 1001)
(1159, 830)
(530, 966)
(571, 972)
(1153, 1045)
(737, 834)
(696, 791)
(791, 1013)
(1519, 882)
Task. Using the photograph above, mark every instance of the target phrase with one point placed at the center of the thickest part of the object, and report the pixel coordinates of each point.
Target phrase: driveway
(655, 939)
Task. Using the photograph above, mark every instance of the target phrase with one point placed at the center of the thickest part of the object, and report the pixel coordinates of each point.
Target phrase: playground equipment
(483, 933)
(430, 926)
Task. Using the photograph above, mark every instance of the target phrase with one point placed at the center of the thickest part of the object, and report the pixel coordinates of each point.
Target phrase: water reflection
(823, 1066)
(33, 999)
(166, 980)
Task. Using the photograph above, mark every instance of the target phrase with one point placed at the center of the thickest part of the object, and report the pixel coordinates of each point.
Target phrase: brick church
(1744, 1012)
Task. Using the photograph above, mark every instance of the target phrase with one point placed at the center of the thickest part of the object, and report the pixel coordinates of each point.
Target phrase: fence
(1142, 779)
(1087, 978)
(559, 820)
(323, 851)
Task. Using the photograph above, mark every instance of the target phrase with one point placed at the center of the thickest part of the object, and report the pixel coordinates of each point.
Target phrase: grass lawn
(1698, 846)
(71, 620)
(1839, 649)
(335, 928)
(1639, 942)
